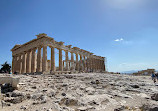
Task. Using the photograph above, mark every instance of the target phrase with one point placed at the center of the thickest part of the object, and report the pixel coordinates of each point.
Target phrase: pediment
(16, 46)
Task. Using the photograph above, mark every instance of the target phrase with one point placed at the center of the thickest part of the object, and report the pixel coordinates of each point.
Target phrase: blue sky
(124, 31)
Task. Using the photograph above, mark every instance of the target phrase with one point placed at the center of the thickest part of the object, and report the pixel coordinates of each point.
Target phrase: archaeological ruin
(31, 57)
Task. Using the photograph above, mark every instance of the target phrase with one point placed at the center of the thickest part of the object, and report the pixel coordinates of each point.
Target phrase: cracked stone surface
(82, 92)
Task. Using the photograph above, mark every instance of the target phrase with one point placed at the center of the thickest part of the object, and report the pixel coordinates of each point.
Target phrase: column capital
(28, 51)
(40, 46)
(69, 46)
(66, 50)
(34, 49)
(44, 45)
(24, 52)
(51, 47)
(61, 43)
(59, 48)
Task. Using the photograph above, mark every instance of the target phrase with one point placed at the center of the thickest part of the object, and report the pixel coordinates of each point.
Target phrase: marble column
(63, 64)
(90, 65)
(60, 60)
(52, 59)
(44, 59)
(24, 63)
(81, 63)
(103, 65)
(93, 62)
(66, 58)
(39, 60)
(72, 61)
(28, 62)
(13, 62)
(33, 61)
(104, 69)
(84, 63)
(97, 64)
(77, 64)
(20, 64)
(87, 64)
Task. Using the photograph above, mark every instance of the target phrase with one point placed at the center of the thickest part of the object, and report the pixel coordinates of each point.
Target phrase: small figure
(156, 75)
(153, 77)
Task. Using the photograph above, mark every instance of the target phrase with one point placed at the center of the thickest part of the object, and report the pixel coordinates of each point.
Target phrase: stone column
(97, 64)
(66, 58)
(72, 61)
(87, 63)
(24, 63)
(101, 65)
(52, 59)
(13, 62)
(81, 63)
(104, 67)
(63, 64)
(77, 64)
(44, 59)
(33, 61)
(60, 60)
(84, 58)
(39, 60)
(17, 64)
(93, 64)
(90, 63)
(20, 64)
(28, 62)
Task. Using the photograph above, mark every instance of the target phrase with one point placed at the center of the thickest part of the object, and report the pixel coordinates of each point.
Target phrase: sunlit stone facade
(31, 57)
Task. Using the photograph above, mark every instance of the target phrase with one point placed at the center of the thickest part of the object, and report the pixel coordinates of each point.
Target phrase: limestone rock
(155, 97)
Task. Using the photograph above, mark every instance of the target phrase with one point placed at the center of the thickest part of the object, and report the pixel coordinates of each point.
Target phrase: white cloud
(118, 40)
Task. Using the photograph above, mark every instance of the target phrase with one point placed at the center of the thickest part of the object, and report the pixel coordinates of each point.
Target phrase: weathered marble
(26, 60)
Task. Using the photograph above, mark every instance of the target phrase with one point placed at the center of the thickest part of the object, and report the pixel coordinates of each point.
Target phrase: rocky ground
(81, 92)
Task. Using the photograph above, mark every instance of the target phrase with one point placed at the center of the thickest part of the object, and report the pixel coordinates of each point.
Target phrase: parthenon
(31, 57)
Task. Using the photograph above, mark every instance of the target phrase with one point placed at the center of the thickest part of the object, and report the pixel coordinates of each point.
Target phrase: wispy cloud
(119, 40)
(123, 41)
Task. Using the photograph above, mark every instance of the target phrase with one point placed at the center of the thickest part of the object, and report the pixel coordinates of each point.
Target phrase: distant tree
(6, 68)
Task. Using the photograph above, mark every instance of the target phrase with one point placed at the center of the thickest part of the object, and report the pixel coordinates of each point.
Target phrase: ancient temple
(31, 57)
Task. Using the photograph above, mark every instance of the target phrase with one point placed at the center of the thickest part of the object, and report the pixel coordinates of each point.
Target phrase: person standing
(153, 76)
(156, 75)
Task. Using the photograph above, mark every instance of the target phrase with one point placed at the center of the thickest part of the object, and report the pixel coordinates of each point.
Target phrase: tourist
(156, 75)
(153, 77)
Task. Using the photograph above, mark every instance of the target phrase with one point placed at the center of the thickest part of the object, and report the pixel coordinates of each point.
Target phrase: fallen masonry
(9, 80)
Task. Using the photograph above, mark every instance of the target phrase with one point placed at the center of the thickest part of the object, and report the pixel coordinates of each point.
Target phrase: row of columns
(28, 62)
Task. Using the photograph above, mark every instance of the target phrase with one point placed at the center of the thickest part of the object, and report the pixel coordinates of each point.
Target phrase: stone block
(11, 80)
